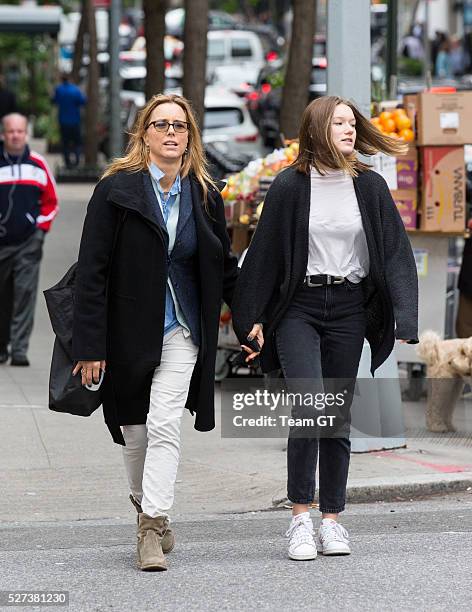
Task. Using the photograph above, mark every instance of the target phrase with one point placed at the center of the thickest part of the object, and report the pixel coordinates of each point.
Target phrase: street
(406, 556)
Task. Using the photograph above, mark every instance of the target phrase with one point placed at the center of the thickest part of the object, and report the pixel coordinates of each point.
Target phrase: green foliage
(46, 126)
(410, 67)
(235, 6)
(15, 47)
(378, 92)
(25, 61)
(228, 6)
(276, 79)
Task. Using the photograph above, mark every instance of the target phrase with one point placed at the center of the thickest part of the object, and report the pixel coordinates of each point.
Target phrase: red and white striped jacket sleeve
(49, 205)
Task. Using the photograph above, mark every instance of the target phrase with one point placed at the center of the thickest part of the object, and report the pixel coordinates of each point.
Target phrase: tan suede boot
(150, 533)
(168, 541)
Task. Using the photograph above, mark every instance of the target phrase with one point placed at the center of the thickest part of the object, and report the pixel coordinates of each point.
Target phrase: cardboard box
(407, 204)
(443, 202)
(443, 119)
(400, 172)
(407, 169)
(410, 104)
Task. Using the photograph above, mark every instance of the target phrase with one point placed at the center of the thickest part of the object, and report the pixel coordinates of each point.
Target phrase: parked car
(238, 79)
(265, 100)
(173, 48)
(319, 65)
(234, 48)
(271, 40)
(133, 85)
(228, 125)
(175, 20)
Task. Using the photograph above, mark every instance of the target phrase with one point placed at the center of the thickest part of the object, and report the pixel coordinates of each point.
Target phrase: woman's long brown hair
(316, 144)
(137, 159)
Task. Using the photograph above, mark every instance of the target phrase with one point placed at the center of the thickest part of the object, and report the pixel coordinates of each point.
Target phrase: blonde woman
(329, 265)
(153, 267)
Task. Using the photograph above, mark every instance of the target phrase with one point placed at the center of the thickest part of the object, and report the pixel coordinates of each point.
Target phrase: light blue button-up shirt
(170, 211)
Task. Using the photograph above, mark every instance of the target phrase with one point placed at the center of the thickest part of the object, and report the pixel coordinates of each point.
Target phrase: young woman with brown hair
(154, 265)
(330, 263)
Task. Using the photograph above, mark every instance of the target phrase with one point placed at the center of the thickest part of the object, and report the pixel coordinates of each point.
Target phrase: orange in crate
(402, 122)
(388, 125)
(385, 115)
(407, 135)
(399, 112)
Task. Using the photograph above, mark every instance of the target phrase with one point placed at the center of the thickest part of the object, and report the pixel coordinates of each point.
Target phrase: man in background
(69, 99)
(28, 204)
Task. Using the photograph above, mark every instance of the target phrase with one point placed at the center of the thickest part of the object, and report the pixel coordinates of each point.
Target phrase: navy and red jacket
(28, 197)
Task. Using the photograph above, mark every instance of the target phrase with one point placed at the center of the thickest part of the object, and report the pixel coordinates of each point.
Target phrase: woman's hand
(256, 332)
(90, 371)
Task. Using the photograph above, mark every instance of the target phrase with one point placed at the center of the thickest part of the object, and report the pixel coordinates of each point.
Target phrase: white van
(234, 48)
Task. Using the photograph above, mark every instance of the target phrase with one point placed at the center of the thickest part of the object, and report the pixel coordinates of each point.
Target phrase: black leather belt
(318, 280)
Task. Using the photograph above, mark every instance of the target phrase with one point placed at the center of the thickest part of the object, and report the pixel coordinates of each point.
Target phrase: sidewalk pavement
(61, 467)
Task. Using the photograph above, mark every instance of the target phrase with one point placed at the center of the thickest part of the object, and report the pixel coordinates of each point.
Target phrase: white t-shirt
(336, 243)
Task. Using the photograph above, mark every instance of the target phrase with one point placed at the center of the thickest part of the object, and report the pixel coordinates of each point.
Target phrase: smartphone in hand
(253, 344)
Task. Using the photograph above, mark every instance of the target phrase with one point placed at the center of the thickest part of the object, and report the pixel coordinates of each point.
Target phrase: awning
(30, 19)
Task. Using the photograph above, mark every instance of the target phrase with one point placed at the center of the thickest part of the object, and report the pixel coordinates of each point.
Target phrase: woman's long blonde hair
(137, 159)
(316, 144)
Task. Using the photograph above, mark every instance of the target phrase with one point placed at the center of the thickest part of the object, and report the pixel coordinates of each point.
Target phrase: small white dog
(448, 362)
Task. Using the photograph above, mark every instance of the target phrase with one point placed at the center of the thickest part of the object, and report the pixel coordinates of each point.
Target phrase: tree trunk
(195, 41)
(154, 30)
(298, 74)
(79, 46)
(91, 109)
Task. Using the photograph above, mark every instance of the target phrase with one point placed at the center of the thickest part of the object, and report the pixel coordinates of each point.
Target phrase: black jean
(71, 144)
(321, 337)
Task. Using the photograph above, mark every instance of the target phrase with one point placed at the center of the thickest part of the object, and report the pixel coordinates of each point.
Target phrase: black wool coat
(276, 263)
(120, 300)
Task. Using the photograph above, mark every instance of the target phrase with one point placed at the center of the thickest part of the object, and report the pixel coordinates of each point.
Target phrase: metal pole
(349, 76)
(116, 129)
(349, 51)
(392, 48)
(427, 72)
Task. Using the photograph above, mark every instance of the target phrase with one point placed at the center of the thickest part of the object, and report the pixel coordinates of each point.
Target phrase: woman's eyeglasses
(162, 125)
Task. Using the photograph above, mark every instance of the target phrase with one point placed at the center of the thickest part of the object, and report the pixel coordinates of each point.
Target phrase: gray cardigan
(276, 262)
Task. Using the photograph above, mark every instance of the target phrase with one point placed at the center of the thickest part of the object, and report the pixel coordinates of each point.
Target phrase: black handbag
(66, 392)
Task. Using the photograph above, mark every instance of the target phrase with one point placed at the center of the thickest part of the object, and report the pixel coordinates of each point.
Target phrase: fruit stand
(245, 191)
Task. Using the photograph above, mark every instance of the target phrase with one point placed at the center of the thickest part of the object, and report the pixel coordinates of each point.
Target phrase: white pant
(152, 451)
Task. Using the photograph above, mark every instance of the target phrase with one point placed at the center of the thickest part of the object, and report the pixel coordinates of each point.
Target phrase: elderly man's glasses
(162, 125)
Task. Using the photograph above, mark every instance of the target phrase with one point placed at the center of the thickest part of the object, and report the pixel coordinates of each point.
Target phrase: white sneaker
(332, 538)
(301, 545)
